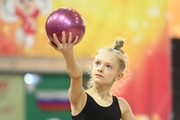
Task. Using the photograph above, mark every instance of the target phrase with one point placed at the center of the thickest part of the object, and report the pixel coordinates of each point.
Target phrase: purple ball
(65, 19)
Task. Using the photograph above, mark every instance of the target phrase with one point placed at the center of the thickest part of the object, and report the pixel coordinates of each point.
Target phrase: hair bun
(118, 44)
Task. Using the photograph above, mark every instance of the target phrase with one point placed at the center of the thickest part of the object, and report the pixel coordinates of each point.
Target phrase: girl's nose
(100, 69)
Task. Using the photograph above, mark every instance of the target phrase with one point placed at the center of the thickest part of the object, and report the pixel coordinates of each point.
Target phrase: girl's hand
(66, 46)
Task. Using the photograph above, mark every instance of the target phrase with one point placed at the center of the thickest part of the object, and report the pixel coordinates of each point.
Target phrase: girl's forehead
(106, 55)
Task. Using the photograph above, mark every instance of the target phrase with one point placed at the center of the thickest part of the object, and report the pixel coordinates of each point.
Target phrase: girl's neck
(100, 92)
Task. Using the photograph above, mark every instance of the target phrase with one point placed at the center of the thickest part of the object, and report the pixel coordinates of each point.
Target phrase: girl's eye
(108, 66)
(97, 63)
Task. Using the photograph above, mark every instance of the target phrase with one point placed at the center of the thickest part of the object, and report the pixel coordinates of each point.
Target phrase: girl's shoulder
(121, 100)
(124, 105)
(126, 109)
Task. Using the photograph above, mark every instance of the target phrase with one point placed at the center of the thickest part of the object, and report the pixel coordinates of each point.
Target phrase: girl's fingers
(76, 40)
(56, 41)
(63, 37)
(52, 44)
(70, 38)
(63, 43)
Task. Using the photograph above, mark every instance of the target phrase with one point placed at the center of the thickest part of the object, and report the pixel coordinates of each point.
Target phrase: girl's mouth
(98, 75)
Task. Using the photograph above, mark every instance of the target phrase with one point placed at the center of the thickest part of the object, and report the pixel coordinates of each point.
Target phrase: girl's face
(105, 68)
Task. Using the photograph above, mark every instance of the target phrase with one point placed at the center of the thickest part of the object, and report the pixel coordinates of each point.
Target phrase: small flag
(53, 99)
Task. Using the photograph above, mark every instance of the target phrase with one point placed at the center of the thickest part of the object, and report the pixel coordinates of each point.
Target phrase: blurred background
(33, 78)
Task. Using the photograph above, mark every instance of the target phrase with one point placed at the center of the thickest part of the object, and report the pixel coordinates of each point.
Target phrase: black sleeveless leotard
(93, 111)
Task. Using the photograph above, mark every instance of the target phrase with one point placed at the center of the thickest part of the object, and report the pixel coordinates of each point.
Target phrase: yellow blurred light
(5, 28)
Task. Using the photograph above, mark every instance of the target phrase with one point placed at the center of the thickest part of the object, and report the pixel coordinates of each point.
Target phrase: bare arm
(127, 113)
(73, 69)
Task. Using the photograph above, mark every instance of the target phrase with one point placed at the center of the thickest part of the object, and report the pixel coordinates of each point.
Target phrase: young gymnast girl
(95, 103)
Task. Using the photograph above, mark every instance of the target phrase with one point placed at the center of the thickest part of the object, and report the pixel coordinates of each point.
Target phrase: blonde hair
(119, 43)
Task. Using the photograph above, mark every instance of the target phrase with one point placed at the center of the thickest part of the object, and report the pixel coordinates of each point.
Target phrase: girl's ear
(119, 76)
